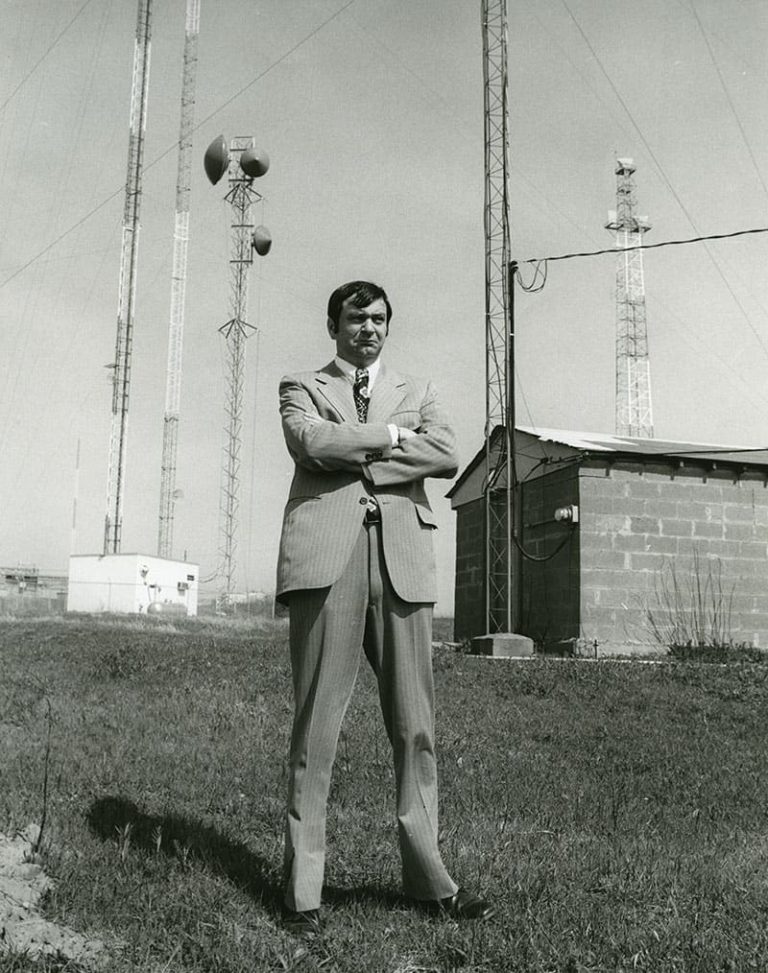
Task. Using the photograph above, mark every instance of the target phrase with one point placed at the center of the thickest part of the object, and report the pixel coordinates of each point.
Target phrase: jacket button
(363, 500)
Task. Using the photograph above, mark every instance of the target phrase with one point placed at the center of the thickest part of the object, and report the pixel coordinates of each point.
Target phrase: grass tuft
(690, 613)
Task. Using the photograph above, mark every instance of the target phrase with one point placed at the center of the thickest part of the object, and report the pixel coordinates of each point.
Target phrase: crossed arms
(322, 443)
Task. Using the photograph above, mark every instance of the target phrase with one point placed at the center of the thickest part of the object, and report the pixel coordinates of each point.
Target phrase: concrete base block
(504, 644)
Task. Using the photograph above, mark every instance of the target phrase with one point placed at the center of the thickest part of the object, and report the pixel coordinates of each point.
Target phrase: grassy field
(616, 813)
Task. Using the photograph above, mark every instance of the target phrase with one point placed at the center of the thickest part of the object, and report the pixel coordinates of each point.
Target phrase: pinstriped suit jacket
(340, 463)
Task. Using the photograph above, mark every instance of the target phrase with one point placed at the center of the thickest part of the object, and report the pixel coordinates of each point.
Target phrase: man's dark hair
(361, 293)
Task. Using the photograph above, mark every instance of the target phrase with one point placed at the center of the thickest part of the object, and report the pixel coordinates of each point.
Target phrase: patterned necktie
(361, 393)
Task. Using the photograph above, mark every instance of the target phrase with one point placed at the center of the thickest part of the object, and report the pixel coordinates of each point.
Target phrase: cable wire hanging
(173, 146)
(642, 246)
(40, 60)
(491, 486)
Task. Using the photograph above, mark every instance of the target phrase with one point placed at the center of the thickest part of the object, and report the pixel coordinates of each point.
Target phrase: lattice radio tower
(634, 416)
(121, 377)
(244, 163)
(500, 555)
(168, 493)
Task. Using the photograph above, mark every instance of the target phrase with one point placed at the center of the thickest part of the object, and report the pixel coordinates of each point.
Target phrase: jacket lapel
(388, 392)
(335, 388)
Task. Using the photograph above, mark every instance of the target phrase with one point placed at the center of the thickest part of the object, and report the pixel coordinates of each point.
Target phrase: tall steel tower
(121, 378)
(178, 284)
(500, 555)
(244, 163)
(634, 416)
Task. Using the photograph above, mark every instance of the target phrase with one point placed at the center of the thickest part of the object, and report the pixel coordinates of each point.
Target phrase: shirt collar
(349, 370)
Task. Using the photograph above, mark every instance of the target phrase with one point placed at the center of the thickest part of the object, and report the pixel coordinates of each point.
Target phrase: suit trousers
(328, 629)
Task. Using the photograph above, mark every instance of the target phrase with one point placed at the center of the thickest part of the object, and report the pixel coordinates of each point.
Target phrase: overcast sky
(372, 114)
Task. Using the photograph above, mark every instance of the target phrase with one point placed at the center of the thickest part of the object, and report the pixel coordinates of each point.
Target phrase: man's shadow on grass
(183, 838)
(188, 840)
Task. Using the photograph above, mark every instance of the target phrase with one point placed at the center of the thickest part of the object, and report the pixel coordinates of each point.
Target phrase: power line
(539, 277)
(266, 71)
(537, 282)
(664, 176)
(172, 147)
(701, 347)
(60, 237)
(629, 114)
(37, 64)
(643, 246)
(729, 99)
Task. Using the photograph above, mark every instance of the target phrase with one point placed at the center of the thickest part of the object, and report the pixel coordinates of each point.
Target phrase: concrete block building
(644, 507)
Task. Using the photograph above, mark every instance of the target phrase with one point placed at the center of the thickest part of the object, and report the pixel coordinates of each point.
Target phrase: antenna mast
(634, 416)
(121, 378)
(499, 486)
(243, 163)
(178, 284)
(236, 331)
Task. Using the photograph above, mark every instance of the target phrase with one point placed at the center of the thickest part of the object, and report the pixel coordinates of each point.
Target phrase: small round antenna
(261, 240)
(254, 163)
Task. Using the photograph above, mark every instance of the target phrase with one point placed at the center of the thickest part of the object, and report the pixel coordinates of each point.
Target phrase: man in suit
(357, 569)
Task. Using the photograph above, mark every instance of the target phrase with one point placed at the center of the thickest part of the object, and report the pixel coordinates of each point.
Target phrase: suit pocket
(294, 502)
(426, 516)
(407, 418)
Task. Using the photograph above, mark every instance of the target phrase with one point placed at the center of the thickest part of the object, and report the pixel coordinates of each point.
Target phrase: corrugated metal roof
(601, 442)
(589, 442)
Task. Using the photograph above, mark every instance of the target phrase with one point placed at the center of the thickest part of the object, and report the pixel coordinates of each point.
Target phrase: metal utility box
(132, 584)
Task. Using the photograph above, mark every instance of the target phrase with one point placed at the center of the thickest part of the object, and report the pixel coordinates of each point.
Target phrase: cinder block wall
(469, 592)
(635, 519)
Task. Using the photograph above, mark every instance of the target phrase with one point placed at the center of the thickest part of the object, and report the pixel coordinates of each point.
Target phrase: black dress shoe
(465, 905)
(305, 924)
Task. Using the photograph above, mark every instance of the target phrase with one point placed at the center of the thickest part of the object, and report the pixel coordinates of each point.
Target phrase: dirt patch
(22, 928)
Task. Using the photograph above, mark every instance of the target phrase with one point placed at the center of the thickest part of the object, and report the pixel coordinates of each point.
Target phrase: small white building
(132, 584)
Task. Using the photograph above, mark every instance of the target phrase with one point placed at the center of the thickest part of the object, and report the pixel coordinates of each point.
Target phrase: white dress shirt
(373, 370)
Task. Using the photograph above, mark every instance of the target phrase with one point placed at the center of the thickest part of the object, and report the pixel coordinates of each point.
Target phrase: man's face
(360, 333)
